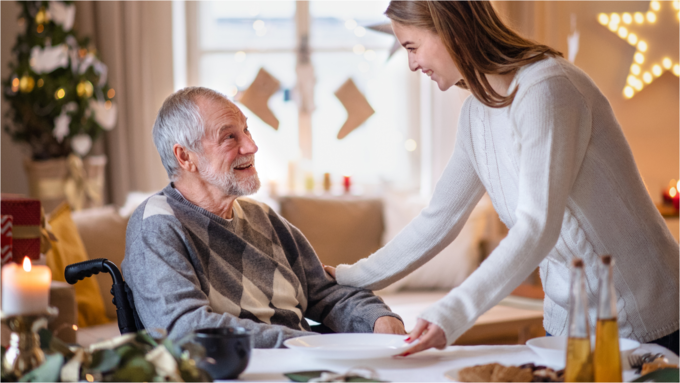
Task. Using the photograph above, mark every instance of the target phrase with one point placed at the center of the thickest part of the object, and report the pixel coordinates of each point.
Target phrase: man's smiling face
(228, 158)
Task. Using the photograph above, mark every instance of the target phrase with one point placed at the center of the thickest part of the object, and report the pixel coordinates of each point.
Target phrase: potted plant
(60, 103)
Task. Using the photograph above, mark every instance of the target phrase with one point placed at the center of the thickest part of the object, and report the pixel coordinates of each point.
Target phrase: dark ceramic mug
(227, 350)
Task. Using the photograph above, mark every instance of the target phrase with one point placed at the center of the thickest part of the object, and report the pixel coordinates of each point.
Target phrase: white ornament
(81, 144)
(48, 59)
(61, 124)
(71, 107)
(73, 52)
(63, 14)
(104, 117)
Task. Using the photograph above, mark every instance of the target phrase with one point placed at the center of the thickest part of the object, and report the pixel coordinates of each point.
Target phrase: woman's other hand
(330, 270)
(430, 335)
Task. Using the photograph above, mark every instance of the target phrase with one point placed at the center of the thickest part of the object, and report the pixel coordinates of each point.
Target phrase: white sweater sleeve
(553, 126)
(455, 196)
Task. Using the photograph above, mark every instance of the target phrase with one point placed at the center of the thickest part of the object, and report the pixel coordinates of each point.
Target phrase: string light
(41, 82)
(639, 58)
(628, 92)
(60, 93)
(603, 19)
(651, 17)
(632, 39)
(111, 93)
(623, 32)
(410, 145)
(627, 18)
(656, 70)
(639, 18)
(655, 5)
(647, 77)
(642, 46)
(635, 69)
(666, 62)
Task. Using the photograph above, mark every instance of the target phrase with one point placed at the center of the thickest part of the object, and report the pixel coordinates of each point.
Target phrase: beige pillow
(102, 230)
(341, 229)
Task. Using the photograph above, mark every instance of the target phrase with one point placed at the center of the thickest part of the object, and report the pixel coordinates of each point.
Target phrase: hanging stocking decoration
(258, 93)
(358, 108)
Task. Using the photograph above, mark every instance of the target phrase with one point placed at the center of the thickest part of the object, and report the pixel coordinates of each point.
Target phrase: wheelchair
(128, 320)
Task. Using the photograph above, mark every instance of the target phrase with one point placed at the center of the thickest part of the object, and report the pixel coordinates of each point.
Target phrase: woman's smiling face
(427, 52)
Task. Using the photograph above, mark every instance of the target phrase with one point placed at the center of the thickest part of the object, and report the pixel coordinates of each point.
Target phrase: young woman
(540, 138)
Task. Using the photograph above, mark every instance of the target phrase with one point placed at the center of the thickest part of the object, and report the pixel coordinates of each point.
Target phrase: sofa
(343, 229)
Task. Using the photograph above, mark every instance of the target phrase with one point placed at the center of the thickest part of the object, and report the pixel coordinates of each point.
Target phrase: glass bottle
(607, 357)
(579, 365)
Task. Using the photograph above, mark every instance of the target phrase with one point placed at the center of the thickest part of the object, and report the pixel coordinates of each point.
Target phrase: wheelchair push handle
(81, 270)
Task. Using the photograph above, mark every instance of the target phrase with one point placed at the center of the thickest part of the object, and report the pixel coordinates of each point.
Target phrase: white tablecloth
(429, 366)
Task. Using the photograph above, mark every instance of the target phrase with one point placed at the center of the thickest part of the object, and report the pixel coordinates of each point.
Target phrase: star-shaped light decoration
(655, 35)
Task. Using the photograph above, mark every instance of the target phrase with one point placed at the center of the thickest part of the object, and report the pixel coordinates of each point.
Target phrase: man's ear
(185, 158)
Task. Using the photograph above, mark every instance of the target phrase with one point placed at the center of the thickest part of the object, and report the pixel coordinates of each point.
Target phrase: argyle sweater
(189, 269)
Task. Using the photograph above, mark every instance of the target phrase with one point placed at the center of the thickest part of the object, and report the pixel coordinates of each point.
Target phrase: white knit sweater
(562, 178)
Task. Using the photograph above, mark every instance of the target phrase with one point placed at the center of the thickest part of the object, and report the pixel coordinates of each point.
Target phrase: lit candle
(25, 290)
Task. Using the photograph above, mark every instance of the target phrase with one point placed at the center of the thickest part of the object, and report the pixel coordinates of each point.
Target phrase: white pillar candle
(25, 290)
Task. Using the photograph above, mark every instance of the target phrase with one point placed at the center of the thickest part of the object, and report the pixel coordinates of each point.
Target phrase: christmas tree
(58, 91)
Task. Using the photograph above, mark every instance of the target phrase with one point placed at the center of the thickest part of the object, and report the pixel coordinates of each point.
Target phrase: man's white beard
(227, 181)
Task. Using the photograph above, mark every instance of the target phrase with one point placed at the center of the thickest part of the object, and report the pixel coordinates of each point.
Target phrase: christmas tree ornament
(42, 17)
(84, 89)
(26, 84)
(41, 82)
(358, 108)
(62, 14)
(257, 95)
(61, 124)
(105, 113)
(81, 144)
(48, 59)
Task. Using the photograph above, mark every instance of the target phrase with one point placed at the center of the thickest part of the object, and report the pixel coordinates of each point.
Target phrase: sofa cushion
(69, 249)
(340, 229)
(103, 232)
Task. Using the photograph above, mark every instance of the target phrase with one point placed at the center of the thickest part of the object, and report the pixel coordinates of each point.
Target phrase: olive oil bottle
(607, 357)
(579, 365)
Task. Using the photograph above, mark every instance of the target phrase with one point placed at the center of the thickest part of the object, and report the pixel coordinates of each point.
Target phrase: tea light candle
(25, 290)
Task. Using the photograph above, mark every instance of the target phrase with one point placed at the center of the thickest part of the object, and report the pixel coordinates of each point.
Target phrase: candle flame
(27, 264)
(75, 328)
(672, 192)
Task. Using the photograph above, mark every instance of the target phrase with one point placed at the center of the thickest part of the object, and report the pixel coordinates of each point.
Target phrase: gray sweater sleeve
(167, 292)
(341, 308)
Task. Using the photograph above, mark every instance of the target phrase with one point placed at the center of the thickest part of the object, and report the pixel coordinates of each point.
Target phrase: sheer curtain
(134, 40)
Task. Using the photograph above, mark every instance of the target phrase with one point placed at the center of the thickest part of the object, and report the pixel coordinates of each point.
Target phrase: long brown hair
(476, 39)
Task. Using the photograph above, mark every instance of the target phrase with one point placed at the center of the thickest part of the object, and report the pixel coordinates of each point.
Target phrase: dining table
(270, 365)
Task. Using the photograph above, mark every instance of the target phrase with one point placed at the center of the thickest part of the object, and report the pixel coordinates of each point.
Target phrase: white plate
(552, 349)
(349, 346)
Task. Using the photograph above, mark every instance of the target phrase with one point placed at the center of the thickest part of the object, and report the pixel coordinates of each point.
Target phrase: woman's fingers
(421, 325)
(330, 270)
(433, 337)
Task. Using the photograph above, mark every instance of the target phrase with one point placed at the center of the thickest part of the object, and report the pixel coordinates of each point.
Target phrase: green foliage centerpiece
(134, 357)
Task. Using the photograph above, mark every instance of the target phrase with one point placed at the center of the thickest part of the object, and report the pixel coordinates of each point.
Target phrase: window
(228, 42)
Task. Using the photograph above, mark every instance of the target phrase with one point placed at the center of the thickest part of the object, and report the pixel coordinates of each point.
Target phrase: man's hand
(389, 325)
(330, 270)
(429, 334)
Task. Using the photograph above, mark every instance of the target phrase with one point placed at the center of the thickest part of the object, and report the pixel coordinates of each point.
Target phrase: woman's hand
(330, 270)
(430, 335)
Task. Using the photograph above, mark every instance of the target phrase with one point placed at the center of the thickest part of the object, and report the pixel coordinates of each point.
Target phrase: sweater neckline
(176, 195)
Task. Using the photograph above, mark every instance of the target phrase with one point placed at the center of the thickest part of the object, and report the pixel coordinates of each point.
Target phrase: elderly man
(197, 256)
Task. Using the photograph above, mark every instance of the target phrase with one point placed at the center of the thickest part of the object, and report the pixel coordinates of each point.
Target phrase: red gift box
(6, 238)
(25, 214)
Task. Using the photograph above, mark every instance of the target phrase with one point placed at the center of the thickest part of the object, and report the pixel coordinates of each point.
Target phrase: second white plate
(349, 346)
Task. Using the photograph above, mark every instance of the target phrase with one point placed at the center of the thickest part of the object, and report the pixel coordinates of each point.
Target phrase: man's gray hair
(179, 121)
